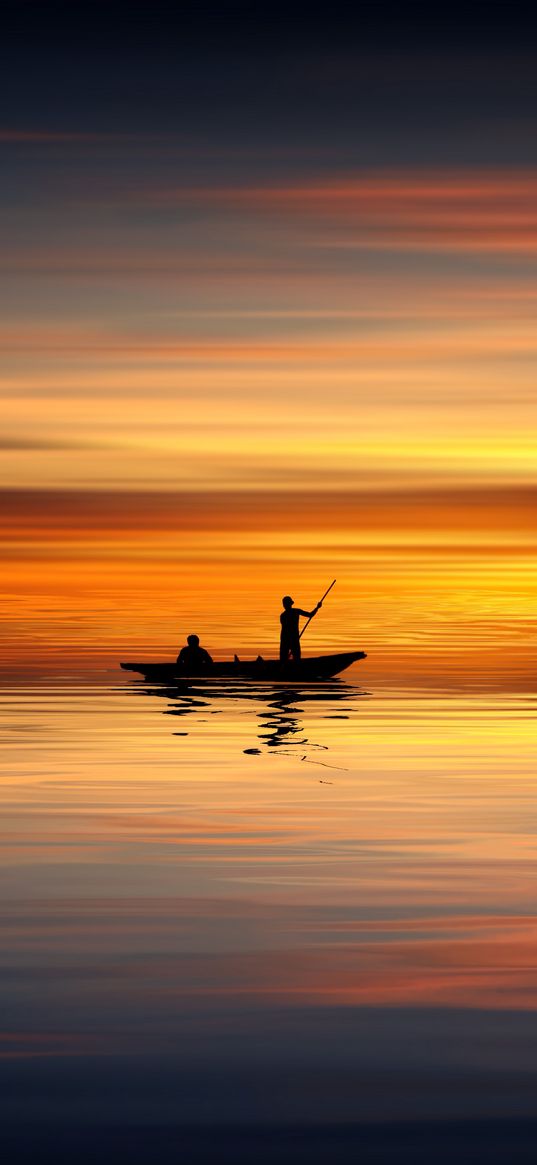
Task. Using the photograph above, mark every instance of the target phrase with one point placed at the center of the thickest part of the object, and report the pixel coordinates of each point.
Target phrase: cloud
(49, 137)
(468, 211)
(457, 513)
(28, 444)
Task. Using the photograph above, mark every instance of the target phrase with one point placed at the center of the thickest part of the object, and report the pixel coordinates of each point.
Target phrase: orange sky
(299, 374)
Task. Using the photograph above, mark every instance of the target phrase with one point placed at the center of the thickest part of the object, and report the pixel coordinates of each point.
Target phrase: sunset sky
(268, 315)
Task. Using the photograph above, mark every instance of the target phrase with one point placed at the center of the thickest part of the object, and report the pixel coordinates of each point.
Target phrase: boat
(316, 667)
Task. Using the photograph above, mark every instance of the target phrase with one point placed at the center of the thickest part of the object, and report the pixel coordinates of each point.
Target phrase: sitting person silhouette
(289, 638)
(193, 659)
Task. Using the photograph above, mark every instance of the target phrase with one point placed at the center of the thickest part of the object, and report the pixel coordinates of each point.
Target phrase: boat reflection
(278, 709)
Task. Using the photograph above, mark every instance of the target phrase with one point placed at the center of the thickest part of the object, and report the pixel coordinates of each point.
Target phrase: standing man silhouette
(289, 638)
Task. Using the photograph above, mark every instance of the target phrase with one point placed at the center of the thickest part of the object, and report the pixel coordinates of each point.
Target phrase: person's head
(193, 641)
(287, 602)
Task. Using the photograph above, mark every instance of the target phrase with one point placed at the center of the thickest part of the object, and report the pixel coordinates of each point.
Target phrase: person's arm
(308, 614)
(206, 657)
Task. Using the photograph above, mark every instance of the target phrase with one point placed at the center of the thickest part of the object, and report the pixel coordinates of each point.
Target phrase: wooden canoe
(317, 667)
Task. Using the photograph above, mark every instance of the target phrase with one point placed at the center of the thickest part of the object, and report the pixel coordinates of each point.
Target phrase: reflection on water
(264, 908)
(276, 713)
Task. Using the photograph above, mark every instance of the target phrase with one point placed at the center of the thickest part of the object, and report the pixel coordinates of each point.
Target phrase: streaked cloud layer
(251, 335)
(293, 272)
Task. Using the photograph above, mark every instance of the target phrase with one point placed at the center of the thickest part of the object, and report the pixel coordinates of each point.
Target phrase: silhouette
(290, 638)
(313, 667)
(290, 666)
(193, 659)
(277, 711)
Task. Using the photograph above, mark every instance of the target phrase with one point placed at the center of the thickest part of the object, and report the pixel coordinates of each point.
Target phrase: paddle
(311, 616)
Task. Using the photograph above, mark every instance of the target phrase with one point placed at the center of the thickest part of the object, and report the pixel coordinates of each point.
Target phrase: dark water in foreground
(268, 924)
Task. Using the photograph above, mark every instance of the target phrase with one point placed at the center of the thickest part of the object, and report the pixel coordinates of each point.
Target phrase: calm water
(269, 922)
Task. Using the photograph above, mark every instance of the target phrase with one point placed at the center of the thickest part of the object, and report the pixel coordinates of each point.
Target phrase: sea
(268, 922)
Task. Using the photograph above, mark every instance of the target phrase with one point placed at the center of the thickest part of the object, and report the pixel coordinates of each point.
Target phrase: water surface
(273, 919)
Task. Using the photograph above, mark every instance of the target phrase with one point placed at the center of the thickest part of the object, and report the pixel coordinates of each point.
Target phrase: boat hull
(320, 667)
